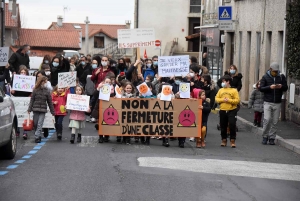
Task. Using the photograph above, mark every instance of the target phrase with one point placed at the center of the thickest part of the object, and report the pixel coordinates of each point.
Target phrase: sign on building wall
(133, 38)
(225, 18)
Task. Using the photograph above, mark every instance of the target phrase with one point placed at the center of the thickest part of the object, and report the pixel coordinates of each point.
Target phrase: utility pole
(87, 35)
(2, 8)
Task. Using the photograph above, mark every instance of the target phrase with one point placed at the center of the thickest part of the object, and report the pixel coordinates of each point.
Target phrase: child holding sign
(77, 119)
(59, 99)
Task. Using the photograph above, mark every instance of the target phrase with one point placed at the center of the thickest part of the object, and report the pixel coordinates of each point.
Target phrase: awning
(194, 37)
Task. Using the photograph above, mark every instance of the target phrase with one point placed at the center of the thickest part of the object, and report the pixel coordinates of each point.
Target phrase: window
(77, 27)
(195, 6)
(98, 42)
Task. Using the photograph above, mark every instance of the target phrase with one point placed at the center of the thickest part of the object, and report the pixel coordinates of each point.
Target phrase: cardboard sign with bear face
(184, 90)
(144, 89)
(166, 93)
(104, 93)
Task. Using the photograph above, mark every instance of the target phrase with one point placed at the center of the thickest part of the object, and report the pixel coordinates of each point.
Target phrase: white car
(8, 126)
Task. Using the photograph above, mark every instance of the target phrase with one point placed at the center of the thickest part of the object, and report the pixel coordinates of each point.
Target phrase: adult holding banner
(22, 71)
(132, 74)
(20, 57)
(58, 65)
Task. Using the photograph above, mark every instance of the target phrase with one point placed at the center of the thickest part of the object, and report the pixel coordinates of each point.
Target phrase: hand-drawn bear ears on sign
(150, 117)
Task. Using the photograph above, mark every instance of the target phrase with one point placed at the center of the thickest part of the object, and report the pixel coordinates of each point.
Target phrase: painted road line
(38, 147)
(226, 167)
(3, 173)
(12, 167)
(20, 161)
(27, 156)
(33, 152)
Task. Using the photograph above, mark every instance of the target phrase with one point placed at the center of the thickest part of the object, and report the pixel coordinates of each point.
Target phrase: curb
(279, 140)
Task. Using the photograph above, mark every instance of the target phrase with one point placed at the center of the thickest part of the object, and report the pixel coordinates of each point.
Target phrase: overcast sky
(40, 13)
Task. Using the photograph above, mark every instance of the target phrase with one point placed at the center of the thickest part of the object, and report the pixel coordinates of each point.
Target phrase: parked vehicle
(70, 53)
(35, 63)
(8, 126)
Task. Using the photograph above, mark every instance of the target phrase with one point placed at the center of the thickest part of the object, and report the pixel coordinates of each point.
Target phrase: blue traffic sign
(225, 13)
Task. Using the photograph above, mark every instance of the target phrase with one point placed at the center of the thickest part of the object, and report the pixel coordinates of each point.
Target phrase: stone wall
(293, 110)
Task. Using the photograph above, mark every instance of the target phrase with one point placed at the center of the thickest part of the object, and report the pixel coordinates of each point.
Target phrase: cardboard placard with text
(67, 79)
(23, 83)
(169, 66)
(4, 53)
(150, 117)
(133, 38)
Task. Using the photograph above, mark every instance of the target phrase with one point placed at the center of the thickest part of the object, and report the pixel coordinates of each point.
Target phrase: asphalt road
(58, 170)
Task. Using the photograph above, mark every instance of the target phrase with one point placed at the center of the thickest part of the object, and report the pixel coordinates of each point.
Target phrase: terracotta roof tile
(50, 38)
(108, 29)
(9, 21)
(38, 52)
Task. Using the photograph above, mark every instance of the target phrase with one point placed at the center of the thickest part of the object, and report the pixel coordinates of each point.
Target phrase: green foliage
(293, 39)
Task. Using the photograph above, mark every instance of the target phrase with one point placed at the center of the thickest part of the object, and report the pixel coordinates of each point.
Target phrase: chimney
(127, 22)
(59, 20)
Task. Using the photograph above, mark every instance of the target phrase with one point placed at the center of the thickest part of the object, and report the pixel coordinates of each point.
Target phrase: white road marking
(226, 167)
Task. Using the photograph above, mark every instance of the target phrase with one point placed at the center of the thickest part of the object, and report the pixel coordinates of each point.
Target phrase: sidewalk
(288, 134)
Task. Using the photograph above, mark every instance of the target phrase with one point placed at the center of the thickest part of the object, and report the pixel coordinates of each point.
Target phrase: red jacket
(101, 75)
(60, 107)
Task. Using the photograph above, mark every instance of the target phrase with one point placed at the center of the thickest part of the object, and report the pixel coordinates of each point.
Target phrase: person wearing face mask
(20, 57)
(236, 78)
(155, 64)
(194, 78)
(46, 60)
(121, 67)
(83, 66)
(228, 98)
(272, 84)
(101, 71)
(149, 70)
(58, 65)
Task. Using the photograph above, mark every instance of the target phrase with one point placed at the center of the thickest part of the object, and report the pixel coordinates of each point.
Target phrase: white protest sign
(144, 89)
(166, 93)
(4, 55)
(78, 102)
(104, 93)
(23, 83)
(118, 92)
(133, 38)
(184, 90)
(21, 107)
(173, 66)
(67, 79)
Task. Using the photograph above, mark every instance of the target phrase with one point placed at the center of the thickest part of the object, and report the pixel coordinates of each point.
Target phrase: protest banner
(150, 117)
(21, 107)
(23, 83)
(173, 66)
(67, 79)
(78, 102)
(4, 51)
(136, 38)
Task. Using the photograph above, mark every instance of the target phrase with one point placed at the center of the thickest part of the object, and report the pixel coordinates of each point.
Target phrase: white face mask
(104, 63)
(47, 72)
(192, 74)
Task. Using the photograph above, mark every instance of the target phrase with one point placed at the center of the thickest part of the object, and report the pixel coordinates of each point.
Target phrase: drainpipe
(283, 69)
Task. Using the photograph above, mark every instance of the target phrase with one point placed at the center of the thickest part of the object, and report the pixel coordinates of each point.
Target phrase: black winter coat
(236, 81)
(80, 70)
(18, 59)
(205, 111)
(273, 95)
(62, 68)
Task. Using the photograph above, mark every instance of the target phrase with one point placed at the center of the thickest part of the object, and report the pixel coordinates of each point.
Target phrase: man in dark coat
(20, 57)
(272, 84)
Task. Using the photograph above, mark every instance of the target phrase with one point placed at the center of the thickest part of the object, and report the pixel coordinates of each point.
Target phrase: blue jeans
(58, 123)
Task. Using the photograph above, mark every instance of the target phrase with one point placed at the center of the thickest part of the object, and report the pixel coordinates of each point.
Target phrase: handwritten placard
(78, 102)
(144, 89)
(21, 107)
(23, 83)
(67, 79)
(118, 92)
(4, 55)
(173, 66)
(166, 93)
(133, 38)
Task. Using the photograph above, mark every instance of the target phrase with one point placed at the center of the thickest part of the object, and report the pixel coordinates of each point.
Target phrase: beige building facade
(257, 40)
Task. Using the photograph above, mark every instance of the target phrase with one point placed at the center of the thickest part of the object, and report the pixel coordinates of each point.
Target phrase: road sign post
(225, 18)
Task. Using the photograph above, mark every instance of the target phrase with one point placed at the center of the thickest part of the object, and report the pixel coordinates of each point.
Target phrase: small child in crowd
(77, 119)
(257, 102)
(59, 99)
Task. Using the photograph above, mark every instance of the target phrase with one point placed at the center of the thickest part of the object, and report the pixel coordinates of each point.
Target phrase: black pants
(228, 117)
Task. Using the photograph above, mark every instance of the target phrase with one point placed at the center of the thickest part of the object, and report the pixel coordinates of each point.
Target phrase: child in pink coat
(77, 119)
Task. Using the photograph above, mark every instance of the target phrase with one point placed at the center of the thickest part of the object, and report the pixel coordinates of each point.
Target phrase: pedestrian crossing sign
(225, 13)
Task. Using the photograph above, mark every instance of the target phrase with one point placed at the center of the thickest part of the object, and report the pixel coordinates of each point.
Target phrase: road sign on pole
(225, 18)
(157, 43)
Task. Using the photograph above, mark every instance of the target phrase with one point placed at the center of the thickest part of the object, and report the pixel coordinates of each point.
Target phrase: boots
(100, 140)
(198, 142)
(203, 133)
(119, 138)
(224, 143)
(232, 143)
(147, 142)
(72, 138)
(106, 138)
(78, 138)
(165, 142)
(258, 124)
